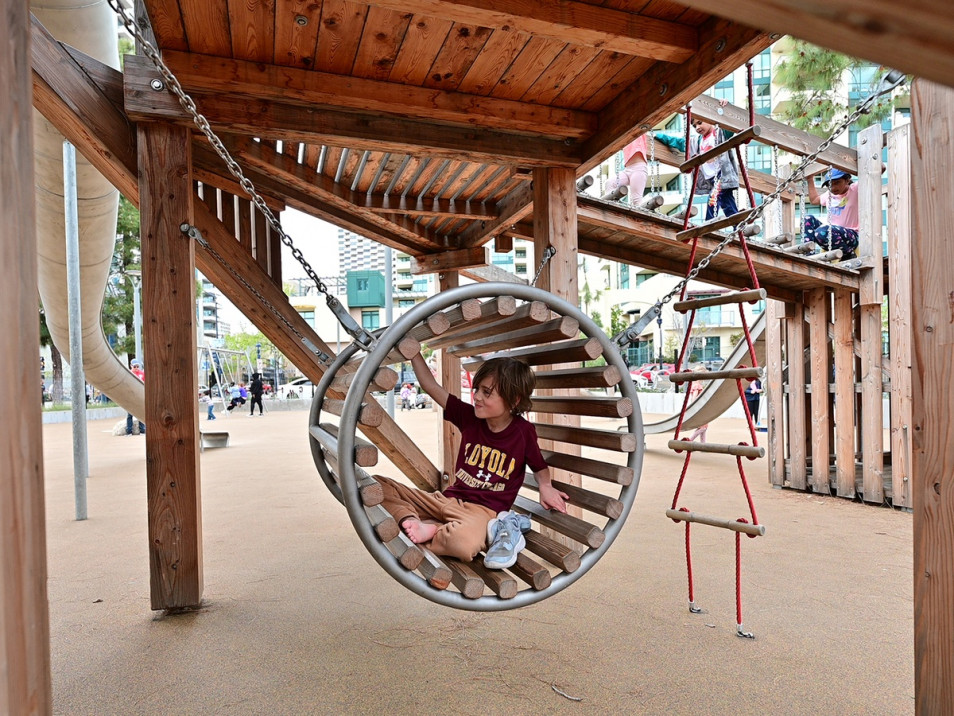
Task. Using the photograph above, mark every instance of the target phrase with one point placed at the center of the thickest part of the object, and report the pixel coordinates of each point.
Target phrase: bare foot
(419, 532)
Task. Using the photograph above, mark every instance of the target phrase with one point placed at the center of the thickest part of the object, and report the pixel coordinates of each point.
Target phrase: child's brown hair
(513, 380)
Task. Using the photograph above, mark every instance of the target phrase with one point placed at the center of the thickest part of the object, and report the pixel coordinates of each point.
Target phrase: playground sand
(298, 618)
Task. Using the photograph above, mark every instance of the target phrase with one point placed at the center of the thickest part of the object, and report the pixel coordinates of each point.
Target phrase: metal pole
(389, 312)
(77, 377)
(659, 321)
(137, 317)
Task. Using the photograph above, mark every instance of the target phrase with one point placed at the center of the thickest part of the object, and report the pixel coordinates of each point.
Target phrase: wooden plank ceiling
(419, 120)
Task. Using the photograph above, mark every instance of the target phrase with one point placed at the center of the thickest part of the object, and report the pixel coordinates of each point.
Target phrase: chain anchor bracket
(359, 334)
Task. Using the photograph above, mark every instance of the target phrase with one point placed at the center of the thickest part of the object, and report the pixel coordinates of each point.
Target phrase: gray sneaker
(505, 537)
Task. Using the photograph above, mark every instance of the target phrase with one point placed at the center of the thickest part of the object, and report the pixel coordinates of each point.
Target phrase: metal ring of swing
(347, 489)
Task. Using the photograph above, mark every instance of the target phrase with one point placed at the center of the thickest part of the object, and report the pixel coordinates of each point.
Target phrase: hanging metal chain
(547, 255)
(776, 171)
(359, 334)
(655, 185)
(193, 233)
(888, 83)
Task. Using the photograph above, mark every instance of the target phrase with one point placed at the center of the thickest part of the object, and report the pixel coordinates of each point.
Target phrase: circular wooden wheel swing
(477, 322)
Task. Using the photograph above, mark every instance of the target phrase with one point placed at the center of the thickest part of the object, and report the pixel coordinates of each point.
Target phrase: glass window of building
(759, 157)
(362, 284)
(370, 320)
(309, 317)
(641, 278)
(725, 90)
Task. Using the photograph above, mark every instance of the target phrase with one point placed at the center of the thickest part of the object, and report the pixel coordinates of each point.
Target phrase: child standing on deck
(718, 177)
(497, 445)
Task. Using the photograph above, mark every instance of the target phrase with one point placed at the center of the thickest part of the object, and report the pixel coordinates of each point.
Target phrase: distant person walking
(136, 367)
(256, 389)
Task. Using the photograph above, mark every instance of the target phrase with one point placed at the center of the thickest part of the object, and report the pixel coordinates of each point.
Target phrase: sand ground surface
(299, 619)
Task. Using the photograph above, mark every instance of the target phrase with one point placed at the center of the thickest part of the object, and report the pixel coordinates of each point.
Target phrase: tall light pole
(135, 277)
(659, 321)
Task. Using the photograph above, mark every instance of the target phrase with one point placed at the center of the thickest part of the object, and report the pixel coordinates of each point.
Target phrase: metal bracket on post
(360, 336)
(631, 334)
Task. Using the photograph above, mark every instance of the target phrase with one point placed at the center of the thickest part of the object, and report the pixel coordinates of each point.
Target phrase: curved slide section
(719, 395)
(91, 28)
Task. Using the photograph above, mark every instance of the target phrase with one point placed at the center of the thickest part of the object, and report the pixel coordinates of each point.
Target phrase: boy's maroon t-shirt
(491, 466)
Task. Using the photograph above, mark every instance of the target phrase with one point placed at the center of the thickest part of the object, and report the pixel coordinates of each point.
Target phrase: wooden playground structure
(353, 113)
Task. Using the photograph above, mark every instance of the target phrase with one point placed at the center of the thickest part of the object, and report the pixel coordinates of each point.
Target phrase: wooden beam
(64, 93)
(566, 21)
(25, 678)
(449, 374)
(450, 260)
(775, 133)
(820, 367)
(900, 301)
(775, 394)
(492, 273)
(289, 121)
(664, 88)
(202, 75)
(844, 355)
(797, 424)
(932, 256)
(911, 37)
(169, 343)
(511, 209)
(386, 204)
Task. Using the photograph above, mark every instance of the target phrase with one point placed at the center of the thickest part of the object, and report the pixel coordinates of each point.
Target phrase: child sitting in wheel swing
(497, 445)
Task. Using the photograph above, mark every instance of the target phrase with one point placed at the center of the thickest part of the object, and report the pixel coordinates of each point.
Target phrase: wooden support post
(820, 366)
(448, 442)
(871, 295)
(797, 428)
(555, 224)
(25, 682)
(774, 393)
(169, 343)
(900, 301)
(844, 354)
(932, 468)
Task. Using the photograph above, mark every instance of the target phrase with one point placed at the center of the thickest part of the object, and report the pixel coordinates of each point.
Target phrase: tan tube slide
(91, 28)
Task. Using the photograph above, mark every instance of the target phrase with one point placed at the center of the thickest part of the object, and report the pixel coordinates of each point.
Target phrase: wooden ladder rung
(827, 256)
(472, 312)
(434, 325)
(556, 330)
(737, 450)
(369, 489)
(384, 380)
(573, 527)
(529, 314)
(597, 407)
(407, 553)
(559, 555)
(693, 304)
(465, 579)
(531, 572)
(694, 231)
(785, 238)
(602, 376)
(607, 471)
(365, 454)
(404, 350)
(731, 374)
(734, 525)
(437, 574)
(616, 194)
(574, 351)
(735, 140)
(587, 499)
(809, 247)
(371, 414)
(591, 437)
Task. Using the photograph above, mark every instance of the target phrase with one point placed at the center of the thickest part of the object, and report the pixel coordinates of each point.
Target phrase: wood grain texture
(932, 468)
(774, 394)
(169, 349)
(820, 365)
(25, 677)
(798, 438)
(844, 395)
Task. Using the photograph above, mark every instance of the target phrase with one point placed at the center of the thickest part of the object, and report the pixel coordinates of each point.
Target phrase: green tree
(56, 358)
(249, 342)
(618, 322)
(815, 77)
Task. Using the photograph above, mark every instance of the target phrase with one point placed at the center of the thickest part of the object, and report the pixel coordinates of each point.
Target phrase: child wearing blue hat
(841, 198)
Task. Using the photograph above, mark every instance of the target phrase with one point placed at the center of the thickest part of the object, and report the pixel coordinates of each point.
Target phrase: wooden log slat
(605, 439)
(617, 474)
(468, 310)
(433, 325)
(581, 497)
(465, 579)
(572, 527)
(715, 225)
(500, 582)
(737, 450)
(734, 141)
(556, 330)
(581, 349)
(529, 314)
(597, 377)
(369, 489)
(473, 313)
(552, 551)
(733, 525)
(809, 247)
(371, 414)
(780, 239)
(757, 294)
(384, 380)
(385, 526)
(731, 374)
(437, 574)
(531, 572)
(407, 553)
(598, 407)
(365, 454)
